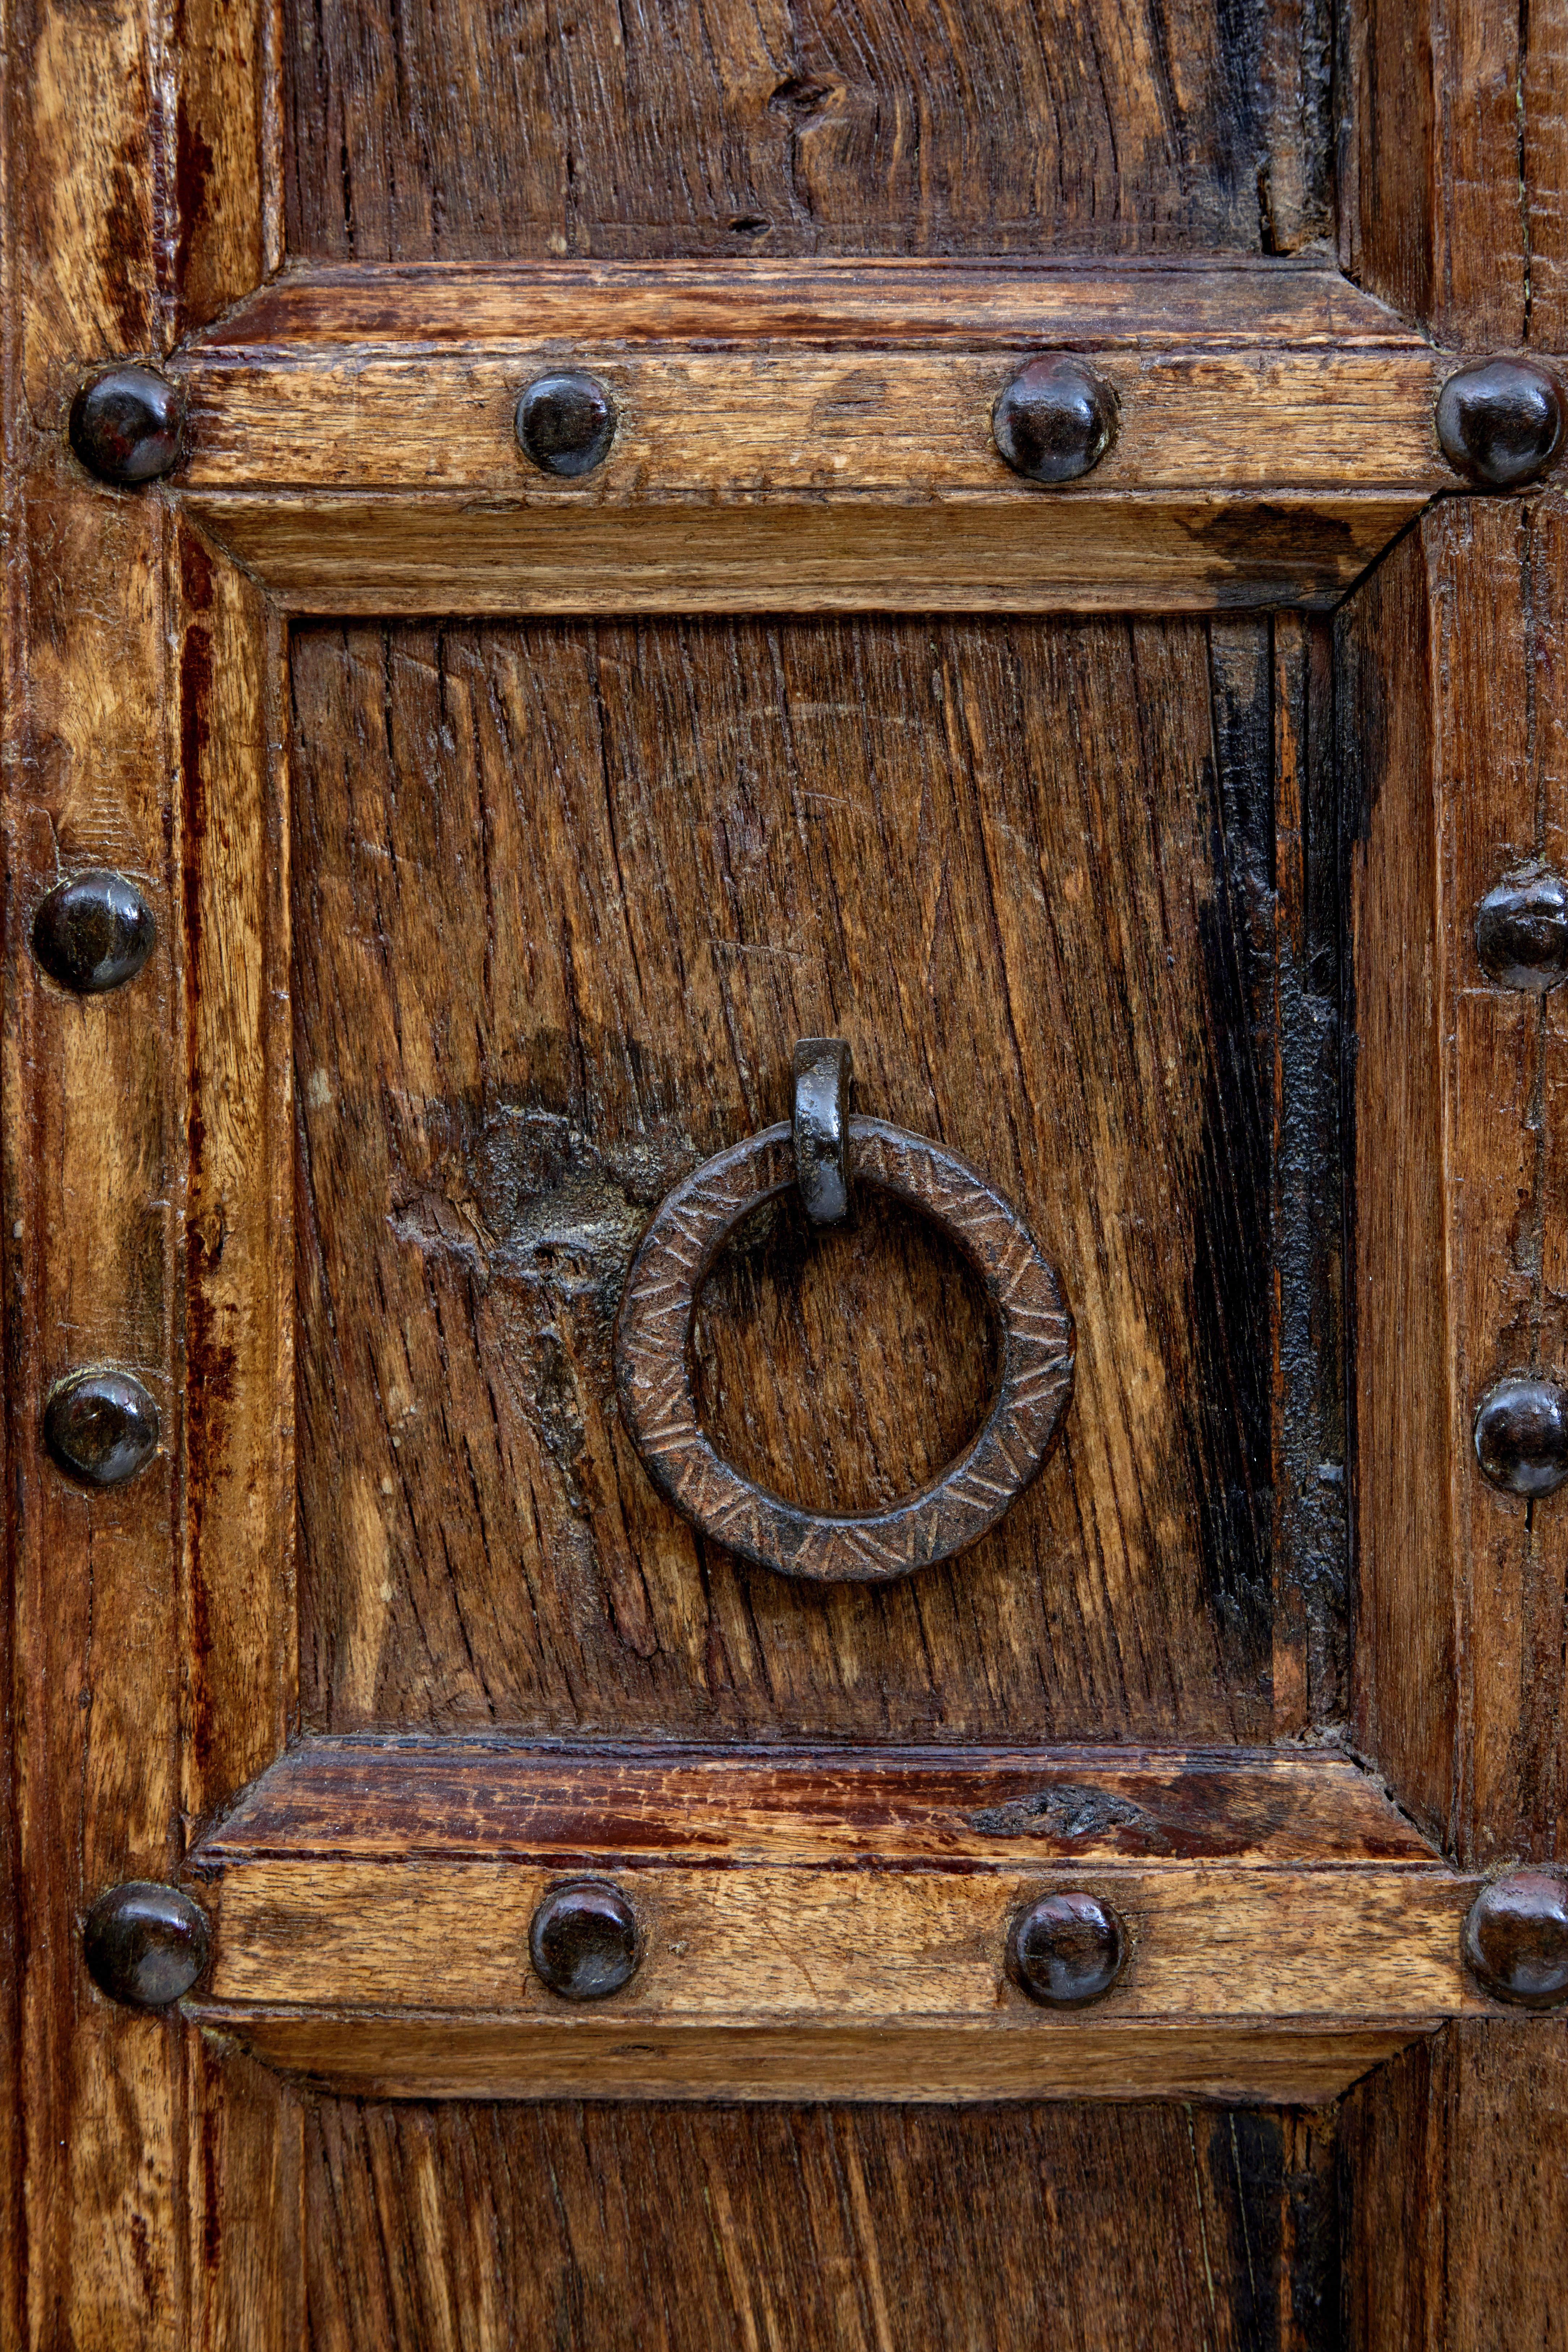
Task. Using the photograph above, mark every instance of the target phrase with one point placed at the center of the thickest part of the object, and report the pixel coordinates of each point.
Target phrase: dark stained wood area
(780, 2228)
(564, 897)
(455, 129)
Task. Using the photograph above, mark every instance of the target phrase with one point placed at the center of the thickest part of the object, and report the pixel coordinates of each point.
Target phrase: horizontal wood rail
(823, 1925)
(818, 438)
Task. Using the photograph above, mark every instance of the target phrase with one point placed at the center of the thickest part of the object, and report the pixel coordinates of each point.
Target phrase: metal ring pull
(653, 1372)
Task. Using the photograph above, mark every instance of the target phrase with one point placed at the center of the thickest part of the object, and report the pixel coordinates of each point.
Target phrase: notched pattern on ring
(654, 1378)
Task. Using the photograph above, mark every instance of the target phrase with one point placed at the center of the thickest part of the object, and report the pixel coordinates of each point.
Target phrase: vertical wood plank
(1402, 1442)
(131, 172)
(226, 226)
(92, 1183)
(1453, 706)
(795, 2230)
(1452, 149)
(229, 696)
(1454, 2193)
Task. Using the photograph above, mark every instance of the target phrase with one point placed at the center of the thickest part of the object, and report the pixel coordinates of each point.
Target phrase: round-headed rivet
(94, 932)
(145, 1944)
(1516, 1938)
(1067, 1950)
(1521, 931)
(1521, 1435)
(125, 424)
(583, 1940)
(101, 1427)
(566, 422)
(1501, 422)
(1055, 421)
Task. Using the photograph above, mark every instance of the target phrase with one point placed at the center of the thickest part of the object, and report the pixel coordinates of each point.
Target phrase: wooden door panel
(473, 930)
(690, 2229)
(564, 897)
(492, 131)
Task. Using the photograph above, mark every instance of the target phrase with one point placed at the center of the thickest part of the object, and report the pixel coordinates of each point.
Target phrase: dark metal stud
(94, 932)
(821, 1122)
(101, 1427)
(1055, 421)
(145, 1944)
(566, 422)
(125, 423)
(1522, 1436)
(1067, 1950)
(1516, 1938)
(1501, 422)
(583, 1940)
(1521, 931)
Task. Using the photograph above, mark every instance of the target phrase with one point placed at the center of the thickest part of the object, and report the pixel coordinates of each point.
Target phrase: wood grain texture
(383, 1800)
(1454, 160)
(92, 1095)
(130, 177)
(1452, 2170)
(652, 857)
(683, 2230)
(478, 131)
(830, 1924)
(1363, 1946)
(433, 554)
(1214, 302)
(776, 421)
(805, 438)
(463, 2056)
(1454, 711)
(240, 1637)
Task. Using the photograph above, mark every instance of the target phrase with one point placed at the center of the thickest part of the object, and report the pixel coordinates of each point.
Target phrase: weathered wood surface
(1362, 1944)
(1454, 163)
(824, 1924)
(1454, 2188)
(135, 210)
(783, 420)
(460, 2054)
(1176, 304)
(380, 1798)
(434, 553)
(1453, 713)
(565, 899)
(436, 132)
(688, 2231)
(810, 439)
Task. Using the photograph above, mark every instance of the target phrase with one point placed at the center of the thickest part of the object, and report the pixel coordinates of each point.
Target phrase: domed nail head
(1516, 1938)
(1055, 421)
(1521, 932)
(101, 1427)
(1501, 422)
(566, 422)
(1067, 1950)
(125, 424)
(144, 1944)
(93, 932)
(1522, 1436)
(583, 1940)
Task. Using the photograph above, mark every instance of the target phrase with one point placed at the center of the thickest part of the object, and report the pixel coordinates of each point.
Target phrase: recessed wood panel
(818, 2231)
(565, 896)
(450, 130)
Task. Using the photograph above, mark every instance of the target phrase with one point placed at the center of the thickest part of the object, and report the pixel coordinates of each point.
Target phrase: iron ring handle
(653, 1336)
